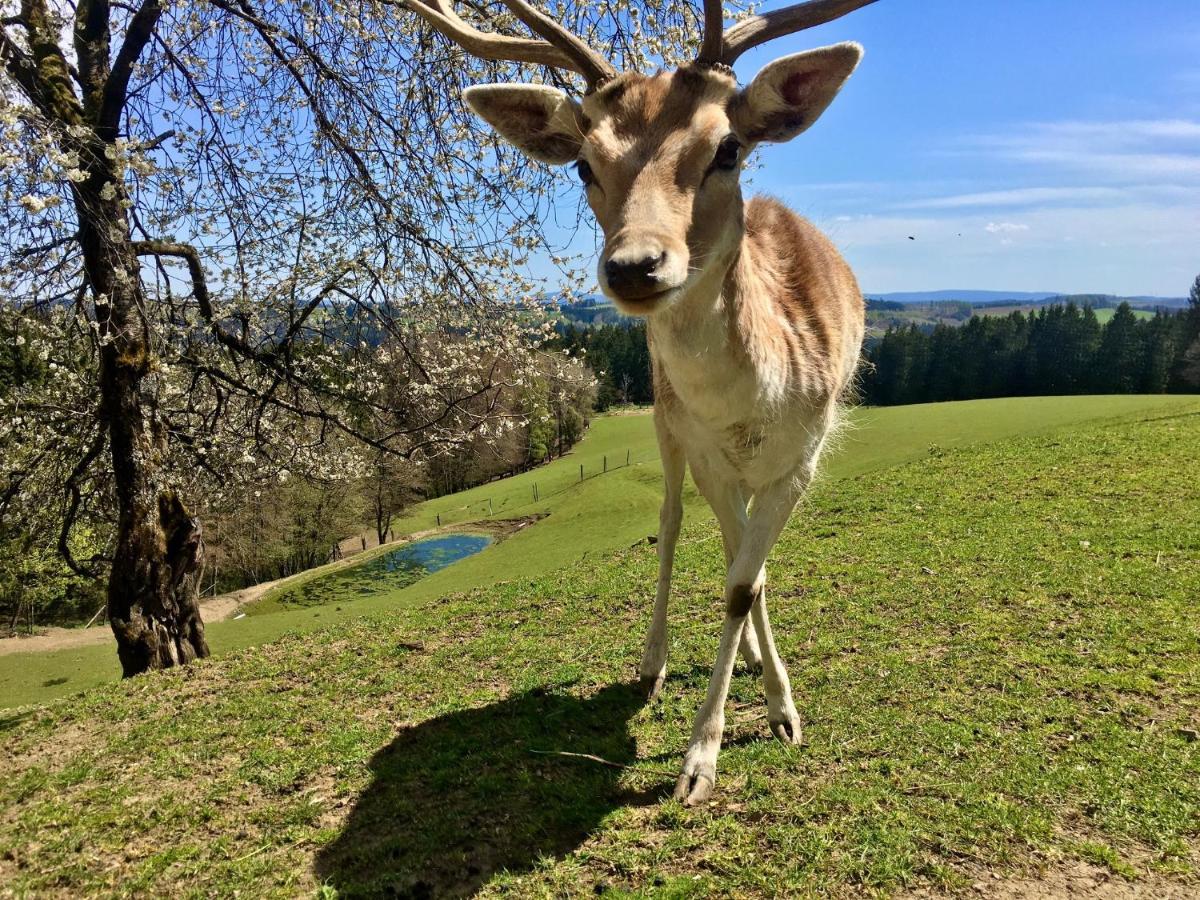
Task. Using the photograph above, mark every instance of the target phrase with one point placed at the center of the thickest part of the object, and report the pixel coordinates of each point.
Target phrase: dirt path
(226, 606)
(213, 609)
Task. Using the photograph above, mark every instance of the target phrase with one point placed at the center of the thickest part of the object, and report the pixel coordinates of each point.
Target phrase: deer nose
(635, 273)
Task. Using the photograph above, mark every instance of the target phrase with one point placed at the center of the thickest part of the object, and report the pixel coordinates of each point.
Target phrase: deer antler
(721, 48)
(561, 49)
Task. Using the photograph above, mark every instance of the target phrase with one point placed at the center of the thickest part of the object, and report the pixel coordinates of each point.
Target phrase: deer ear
(540, 121)
(790, 94)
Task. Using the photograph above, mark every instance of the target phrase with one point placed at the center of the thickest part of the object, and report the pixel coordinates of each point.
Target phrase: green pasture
(604, 512)
(1103, 315)
(989, 612)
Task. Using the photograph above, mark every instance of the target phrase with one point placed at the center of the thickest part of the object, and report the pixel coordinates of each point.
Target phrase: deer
(754, 320)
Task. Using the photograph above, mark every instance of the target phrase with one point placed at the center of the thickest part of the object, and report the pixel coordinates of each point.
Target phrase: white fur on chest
(736, 421)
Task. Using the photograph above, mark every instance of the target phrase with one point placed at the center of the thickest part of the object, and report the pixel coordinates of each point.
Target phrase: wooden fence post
(581, 471)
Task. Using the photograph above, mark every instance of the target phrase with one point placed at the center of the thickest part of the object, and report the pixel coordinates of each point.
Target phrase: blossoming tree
(233, 217)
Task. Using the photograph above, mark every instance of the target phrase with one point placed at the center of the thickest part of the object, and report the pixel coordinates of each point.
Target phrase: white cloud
(1073, 206)
(1030, 196)
(1115, 165)
(1127, 131)
(1004, 227)
(1127, 248)
(1121, 151)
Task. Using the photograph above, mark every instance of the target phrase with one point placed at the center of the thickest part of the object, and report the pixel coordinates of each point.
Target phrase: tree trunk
(383, 515)
(153, 587)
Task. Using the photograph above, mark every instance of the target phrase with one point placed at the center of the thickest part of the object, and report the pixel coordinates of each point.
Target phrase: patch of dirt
(498, 528)
(67, 739)
(1066, 881)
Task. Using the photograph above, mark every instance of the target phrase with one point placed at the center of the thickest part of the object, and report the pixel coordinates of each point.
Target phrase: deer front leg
(653, 669)
(743, 586)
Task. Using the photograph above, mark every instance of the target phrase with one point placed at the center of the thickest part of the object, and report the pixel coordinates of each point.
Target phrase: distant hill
(972, 297)
(922, 308)
(1100, 301)
(1028, 298)
(585, 310)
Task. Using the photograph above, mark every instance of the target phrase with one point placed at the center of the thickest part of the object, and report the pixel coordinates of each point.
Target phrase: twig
(604, 762)
(158, 141)
(96, 616)
(936, 790)
(254, 853)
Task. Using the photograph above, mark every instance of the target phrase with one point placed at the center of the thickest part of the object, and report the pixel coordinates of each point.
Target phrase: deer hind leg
(653, 668)
(729, 504)
(781, 709)
(743, 588)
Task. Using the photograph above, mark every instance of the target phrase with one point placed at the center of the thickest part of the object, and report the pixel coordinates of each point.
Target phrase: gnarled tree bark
(152, 588)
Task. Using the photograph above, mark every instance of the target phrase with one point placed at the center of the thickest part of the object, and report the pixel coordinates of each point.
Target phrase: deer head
(659, 155)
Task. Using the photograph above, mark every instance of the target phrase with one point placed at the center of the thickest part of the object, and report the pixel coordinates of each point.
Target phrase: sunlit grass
(603, 513)
(994, 649)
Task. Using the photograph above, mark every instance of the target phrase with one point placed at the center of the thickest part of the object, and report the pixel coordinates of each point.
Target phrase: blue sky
(1041, 145)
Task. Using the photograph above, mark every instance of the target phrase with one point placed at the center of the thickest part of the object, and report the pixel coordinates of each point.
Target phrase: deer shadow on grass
(459, 798)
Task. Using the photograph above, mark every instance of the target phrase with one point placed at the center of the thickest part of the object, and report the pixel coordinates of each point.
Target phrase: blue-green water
(386, 572)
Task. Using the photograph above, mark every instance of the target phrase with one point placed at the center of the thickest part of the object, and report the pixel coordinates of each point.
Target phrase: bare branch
(91, 49)
(26, 252)
(137, 35)
(74, 498)
(158, 140)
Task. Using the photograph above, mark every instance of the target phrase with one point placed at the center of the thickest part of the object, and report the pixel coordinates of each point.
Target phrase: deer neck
(704, 343)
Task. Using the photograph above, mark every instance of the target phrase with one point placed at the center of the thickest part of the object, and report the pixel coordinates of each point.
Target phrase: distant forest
(1058, 349)
(617, 355)
(1053, 351)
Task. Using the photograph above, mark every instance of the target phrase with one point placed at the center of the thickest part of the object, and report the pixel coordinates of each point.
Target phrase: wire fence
(512, 506)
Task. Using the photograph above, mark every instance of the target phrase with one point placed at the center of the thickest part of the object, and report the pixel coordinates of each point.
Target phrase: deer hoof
(651, 685)
(787, 731)
(695, 784)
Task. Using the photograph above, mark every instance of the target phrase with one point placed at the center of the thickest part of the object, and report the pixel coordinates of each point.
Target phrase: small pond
(387, 572)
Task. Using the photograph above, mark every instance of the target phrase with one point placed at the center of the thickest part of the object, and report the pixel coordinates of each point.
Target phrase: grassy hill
(589, 519)
(994, 648)
(928, 315)
(1103, 314)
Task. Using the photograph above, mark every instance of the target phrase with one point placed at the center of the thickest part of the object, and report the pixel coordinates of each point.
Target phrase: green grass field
(993, 643)
(1102, 315)
(604, 512)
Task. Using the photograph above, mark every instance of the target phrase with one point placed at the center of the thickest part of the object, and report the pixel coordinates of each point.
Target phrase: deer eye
(584, 171)
(726, 157)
